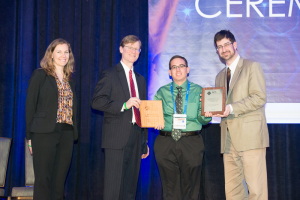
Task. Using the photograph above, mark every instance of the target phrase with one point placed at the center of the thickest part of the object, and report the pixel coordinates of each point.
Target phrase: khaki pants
(245, 171)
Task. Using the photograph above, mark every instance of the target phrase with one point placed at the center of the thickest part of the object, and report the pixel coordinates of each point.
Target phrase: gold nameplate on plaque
(151, 113)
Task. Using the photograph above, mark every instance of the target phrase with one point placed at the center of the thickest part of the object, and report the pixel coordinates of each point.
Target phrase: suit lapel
(54, 84)
(123, 80)
(223, 80)
(71, 83)
(139, 84)
(236, 74)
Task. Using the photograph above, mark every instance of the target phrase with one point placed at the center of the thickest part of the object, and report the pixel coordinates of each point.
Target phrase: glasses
(219, 48)
(133, 49)
(174, 67)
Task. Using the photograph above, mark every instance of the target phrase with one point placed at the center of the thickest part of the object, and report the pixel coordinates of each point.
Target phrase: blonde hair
(130, 39)
(47, 61)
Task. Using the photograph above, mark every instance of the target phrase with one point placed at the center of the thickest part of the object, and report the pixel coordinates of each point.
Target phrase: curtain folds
(94, 29)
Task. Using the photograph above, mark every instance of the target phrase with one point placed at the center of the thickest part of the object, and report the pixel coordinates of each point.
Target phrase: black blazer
(109, 96)
(42, 104)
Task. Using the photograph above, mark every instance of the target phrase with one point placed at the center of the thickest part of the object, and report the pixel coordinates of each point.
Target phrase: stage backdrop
(266, 31)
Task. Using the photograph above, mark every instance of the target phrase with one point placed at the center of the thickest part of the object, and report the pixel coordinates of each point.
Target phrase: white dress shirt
(127, 69)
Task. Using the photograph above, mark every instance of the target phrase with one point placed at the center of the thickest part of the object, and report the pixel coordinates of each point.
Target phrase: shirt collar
(126, 68)
(234, 64)
(184, 85)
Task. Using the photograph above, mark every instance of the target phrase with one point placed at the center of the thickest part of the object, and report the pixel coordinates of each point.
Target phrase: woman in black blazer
(51, 120)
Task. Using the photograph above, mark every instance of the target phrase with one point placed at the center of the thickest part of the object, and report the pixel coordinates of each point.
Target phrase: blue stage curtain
(94, 28)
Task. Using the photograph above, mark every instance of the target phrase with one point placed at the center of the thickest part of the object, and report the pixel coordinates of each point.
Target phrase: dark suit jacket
(42, 104)
(109, 96)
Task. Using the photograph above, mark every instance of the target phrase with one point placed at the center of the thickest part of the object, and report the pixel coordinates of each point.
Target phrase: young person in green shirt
(179, 146)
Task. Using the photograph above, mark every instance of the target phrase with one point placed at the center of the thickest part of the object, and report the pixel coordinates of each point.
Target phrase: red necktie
(133, 94)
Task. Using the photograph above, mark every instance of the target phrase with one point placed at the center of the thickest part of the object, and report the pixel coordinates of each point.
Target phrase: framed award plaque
(213, 100)
(151, 113)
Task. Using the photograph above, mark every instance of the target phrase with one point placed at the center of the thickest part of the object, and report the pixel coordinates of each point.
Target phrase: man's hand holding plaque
(213, 102)
(151, 113)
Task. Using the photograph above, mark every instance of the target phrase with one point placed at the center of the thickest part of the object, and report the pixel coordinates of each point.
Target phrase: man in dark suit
(118, 94)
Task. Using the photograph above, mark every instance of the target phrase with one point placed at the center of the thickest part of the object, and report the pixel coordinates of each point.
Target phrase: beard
(230, 55)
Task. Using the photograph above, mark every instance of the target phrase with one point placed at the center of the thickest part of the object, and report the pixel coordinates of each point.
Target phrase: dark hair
(224, 34)
(47, 62)
(130, 39)
(177, 56)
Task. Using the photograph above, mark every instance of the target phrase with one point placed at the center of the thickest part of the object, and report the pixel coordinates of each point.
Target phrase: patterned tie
(228, 78)
(133, 94)
(176, 133)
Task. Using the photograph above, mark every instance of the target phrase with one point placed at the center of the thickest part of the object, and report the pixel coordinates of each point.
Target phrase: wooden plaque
(151, 113)
(213, 100)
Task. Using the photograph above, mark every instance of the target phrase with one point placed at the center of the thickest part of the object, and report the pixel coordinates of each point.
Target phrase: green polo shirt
(193, 112)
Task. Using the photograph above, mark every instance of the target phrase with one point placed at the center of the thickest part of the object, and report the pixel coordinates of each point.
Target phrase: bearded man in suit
(118, 94)
(244, 131)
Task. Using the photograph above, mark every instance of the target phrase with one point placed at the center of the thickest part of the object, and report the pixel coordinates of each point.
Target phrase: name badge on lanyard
(179, 120)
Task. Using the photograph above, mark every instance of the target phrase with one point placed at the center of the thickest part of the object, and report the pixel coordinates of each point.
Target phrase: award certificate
(213, 100)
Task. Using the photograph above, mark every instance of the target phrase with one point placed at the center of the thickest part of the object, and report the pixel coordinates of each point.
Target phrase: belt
(189, 133)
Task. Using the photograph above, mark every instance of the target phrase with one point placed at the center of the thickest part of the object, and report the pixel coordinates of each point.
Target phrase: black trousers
(52, 154)
(179, 165)
(122, 168)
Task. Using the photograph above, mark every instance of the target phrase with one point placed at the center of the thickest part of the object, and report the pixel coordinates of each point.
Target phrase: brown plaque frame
(146, 106)
(203, 100)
